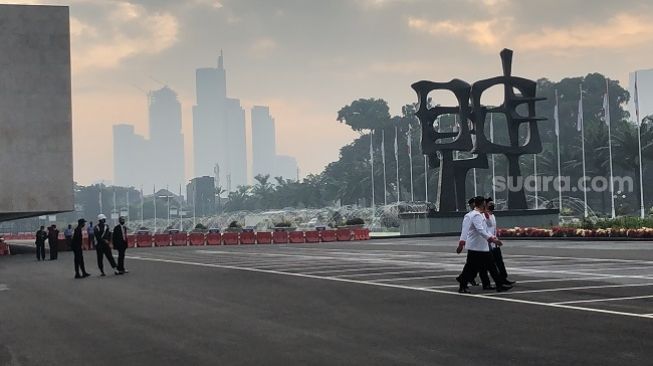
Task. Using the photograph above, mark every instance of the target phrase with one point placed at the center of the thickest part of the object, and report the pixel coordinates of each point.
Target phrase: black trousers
(79, 261)
(498, 261)
(103, 250)
(54, 249)
(480, 262)
(40, 251)
(121, 258)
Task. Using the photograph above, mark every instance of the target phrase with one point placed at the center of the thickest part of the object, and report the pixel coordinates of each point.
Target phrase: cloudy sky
(308, 58)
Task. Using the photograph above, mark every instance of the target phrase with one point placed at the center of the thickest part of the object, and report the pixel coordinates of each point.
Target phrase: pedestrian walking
(76, 246)
(53, 242)
(120, 243)
(41, 237)
(102, 244)
(494, 249)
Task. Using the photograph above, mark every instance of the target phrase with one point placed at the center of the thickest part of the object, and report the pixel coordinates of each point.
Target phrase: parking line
(608, 299)
(575, 288)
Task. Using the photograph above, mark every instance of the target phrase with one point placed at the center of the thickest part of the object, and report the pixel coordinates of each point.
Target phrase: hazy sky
(308, 58)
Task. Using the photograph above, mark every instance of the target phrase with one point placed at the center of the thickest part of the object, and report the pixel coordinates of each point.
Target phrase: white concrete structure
(36, 157)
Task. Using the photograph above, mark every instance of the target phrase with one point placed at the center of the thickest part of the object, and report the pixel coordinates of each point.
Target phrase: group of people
(478, 236)
(100, 236)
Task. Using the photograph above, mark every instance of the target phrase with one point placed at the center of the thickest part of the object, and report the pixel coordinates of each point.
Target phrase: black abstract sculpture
(470, 136)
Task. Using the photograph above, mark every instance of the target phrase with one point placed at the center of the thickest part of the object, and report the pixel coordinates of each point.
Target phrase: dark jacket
(41, 237)
(119, 242)
(77, 238)
(102, 234)
(53, 237)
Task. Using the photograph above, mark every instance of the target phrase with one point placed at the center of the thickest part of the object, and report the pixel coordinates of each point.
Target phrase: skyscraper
(166, 164)
(130, 154)
(264, 150)
(200, 193)
(218, 129)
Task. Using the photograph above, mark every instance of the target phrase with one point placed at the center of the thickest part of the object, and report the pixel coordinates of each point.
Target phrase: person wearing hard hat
(102, 244)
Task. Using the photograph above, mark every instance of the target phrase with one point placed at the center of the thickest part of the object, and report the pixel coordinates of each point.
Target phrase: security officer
(76, 246)
(102, 244)
(41, 237)
(120, 243)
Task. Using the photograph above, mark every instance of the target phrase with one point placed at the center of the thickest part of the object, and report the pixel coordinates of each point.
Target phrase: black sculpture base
(450, 222)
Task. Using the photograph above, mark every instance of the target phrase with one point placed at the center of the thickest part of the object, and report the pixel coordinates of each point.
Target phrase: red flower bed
(569, 232)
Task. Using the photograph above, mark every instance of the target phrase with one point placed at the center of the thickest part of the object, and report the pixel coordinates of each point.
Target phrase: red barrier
(247, 237)
(280, 237)
(213, 239)
(230, 238)
(131, 241)
(144, 241)
(361, 234)
(344, 234)
(264, 237)
(161, 240)
(180, 239)
(328, 235)
(4, 249)
(196, 239)
(296, 236)
(312, 236)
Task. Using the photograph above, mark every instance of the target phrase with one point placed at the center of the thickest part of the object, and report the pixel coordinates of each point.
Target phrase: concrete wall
(36, 168)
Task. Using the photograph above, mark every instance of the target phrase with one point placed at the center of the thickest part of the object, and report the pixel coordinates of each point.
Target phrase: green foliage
(355, 221)
(624, 222)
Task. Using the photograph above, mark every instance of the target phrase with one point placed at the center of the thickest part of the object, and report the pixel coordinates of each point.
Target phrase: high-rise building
(130, 154)
(264, 150)
(166, 164)
(286, 167)
(218, 129)
(200, 193)
(645, 93)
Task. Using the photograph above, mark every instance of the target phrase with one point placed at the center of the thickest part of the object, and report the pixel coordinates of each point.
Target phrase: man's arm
(463, 234)
(481, 228)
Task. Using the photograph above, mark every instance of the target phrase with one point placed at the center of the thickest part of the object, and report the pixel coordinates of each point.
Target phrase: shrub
(355, 221)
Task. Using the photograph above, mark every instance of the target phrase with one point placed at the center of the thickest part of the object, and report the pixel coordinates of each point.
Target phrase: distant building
(200, 193)
(130, 152)
(645, 91)
(264, 150)
(286, 167)
(218, 129)
(166, 165)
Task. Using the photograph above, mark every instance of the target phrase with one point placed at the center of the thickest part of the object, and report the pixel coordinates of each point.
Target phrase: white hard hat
(101, 217)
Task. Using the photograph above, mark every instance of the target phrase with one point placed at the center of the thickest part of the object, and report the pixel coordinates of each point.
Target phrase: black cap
(489, 199)
(81, 222)
(470, 201)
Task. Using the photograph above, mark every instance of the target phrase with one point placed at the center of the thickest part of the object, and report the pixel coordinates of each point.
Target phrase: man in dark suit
(53, 242)
(76, 246)
(41, 237)
(102, 246)
(120, 243)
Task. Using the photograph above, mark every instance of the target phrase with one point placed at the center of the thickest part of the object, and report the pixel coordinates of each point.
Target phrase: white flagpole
(537, 204)
(397, 162)
(128, 207)
(113, 210)
(494, 188)
(180, 212)
(142, 207)
(385, 193)
(100, 198)
(195, 204)
(609, 123)
(581, 124)
(426, 178)
(557, 131)
(372, 166)
(154, 198)
(639, 142)
(168, 204)
(410, 160)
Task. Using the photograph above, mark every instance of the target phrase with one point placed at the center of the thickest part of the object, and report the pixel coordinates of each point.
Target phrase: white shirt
(478, 235)
(492, 227)
(467, 221)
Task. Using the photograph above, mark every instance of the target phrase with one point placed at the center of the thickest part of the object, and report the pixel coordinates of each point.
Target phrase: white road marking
(396, 286)
(608, 299)
(3, 287)
(575, 288)
(451, 275)
(390, 273)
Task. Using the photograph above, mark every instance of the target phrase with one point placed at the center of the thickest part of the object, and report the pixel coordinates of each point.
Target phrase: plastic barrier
(4, 249)
(144, 241)
(248, 237)
(131, 241)
(180, 239)
(328, 235)
(280, 237)
(361, 234)
(312, 236)
(296, 236)
(230, 238)
(213, 239)
(264, 237)
(161, 240)
(196, 239)
(344, 234)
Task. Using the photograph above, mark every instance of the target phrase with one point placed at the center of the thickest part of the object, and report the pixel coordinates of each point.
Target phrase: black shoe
(117, 273)
(78, 276)
(463, 290)
(489, 287)
(473, 283)
(86, 275)
(102, 274)
(509, 283)
(503, 288)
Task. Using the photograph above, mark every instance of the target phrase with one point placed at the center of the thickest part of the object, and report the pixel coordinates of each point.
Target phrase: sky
(306, 59)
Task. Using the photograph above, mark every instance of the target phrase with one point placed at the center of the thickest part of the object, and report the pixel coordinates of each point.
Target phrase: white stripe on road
(608, 299)
(574, 288)
(3, 287)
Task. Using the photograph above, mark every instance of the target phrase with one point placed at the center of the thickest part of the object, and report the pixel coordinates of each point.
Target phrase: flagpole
(372, 166)
(142, 207)
(100, 198)
(494, 188)
(607, 120)
(639, 142)
(154, 198)
(582, 131)
(168, 204)
(397, 162)
(537, 204)
(557, 130)
(385, 193)
(410, 160)
(113, 210)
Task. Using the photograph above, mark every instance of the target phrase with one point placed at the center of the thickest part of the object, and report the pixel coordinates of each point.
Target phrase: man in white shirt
(467, 221)
(495, 250)
(478, 250)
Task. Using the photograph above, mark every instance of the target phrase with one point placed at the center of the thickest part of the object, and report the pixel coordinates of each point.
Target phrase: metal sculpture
(470, 135)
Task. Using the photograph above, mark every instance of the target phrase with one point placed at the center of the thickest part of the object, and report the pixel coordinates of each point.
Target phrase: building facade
(264, 148)
(200, 193)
